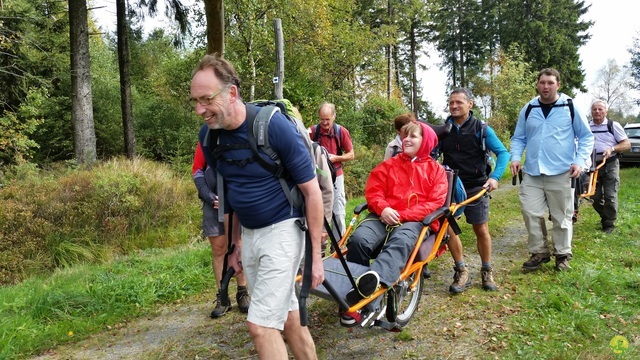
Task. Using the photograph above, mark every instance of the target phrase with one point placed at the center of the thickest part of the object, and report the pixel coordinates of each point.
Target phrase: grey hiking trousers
(370, 241)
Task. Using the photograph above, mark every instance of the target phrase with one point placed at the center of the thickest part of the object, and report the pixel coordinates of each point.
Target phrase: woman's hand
(389, 216)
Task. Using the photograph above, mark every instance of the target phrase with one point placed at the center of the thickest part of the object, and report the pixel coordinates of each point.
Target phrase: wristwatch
(613, 149)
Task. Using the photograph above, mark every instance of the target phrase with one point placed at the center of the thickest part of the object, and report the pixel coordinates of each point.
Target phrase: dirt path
(444, 327)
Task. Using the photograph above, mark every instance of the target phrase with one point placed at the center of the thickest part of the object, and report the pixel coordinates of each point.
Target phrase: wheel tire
(407, 300)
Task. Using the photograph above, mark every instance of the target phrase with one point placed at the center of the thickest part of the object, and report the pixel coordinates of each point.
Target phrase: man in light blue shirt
(547, 129)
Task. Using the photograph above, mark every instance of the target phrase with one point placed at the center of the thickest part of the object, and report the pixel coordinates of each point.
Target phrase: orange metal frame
(412, 266)
(593, 179)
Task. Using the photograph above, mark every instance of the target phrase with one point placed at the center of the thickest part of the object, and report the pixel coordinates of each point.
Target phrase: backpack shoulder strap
(337, 131)
(571, 109)
(258, 129)
(528, 111)
(610, 126)
(258, 135)
(483, 135)
(316, 134)
(569, 104)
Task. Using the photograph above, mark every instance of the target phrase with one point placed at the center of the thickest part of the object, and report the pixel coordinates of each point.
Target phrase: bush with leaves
(59, 217)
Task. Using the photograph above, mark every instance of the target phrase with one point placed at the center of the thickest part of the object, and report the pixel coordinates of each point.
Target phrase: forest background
(66, 103)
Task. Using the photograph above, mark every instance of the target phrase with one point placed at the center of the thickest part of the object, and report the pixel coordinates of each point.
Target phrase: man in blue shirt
(611, 140)
(464, 151)
(272, 242)
(548, 135)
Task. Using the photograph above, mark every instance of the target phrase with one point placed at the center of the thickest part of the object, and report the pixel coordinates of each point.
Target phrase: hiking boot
(461, 280)
(426, 273)
(535, 261)
(220, 309)
(574, 218)
(243, 300)
(608, 229)
(366, 285)
(487, 279)
(562, 263)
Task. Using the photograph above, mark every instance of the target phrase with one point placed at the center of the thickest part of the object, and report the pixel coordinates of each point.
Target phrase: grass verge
(540, 315)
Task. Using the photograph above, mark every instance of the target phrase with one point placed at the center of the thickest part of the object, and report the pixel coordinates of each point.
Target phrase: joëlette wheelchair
(390, 308)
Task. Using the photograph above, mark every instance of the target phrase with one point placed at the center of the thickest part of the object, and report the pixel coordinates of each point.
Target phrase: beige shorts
(270, 259)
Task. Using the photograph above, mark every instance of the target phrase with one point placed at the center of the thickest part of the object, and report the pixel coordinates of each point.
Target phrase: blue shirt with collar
(550, 142)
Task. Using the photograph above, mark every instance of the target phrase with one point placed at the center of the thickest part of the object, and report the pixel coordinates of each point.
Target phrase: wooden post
(278, 78)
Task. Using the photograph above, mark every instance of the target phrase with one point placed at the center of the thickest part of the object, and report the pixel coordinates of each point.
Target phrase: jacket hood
(429, 141)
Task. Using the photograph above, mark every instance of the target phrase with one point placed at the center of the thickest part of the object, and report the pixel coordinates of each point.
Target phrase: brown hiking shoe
(243, 300)
(535, 261)
(562, 263)
(220, 309)
(461, 280)
(487, 279)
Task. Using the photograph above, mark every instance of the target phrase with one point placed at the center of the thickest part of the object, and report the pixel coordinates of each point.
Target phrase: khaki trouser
(539, 194)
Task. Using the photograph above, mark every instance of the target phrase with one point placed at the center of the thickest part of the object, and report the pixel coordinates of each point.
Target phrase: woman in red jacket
(400, 192)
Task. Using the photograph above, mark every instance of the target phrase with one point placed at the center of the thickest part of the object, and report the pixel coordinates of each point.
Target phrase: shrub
(60, 217)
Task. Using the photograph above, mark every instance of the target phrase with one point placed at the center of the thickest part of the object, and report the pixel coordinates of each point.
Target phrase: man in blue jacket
(465, 149)
(547, 129)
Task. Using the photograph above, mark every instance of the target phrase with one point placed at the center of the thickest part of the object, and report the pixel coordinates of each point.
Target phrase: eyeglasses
(207, 100)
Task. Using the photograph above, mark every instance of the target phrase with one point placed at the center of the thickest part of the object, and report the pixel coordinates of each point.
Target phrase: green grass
(541, 315)
(74, 303)
(575, 314)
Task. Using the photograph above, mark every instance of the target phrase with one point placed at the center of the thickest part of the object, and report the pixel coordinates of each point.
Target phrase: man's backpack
(258, 126)
(487, 152)
(258, 116)
(609, 128)
(569, 104)
(337, 132)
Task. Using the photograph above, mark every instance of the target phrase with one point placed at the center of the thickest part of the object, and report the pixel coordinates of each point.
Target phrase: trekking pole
(228, 273)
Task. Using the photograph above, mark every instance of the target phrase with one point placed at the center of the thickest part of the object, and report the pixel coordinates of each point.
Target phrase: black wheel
(406, 299)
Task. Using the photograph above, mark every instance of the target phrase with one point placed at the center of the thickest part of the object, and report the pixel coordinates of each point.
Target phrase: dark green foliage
(460, 37)
(549, 34)
(34, 73)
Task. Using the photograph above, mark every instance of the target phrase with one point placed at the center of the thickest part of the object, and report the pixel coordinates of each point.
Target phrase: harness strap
(336, 248)
(305, 289)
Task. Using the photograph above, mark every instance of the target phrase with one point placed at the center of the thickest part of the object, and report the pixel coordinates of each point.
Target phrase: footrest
(336, 276)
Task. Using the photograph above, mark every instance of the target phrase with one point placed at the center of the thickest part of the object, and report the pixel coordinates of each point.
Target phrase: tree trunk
(415, 106)
(388, 54)
(84, 135)
(124, 64)
(278, 80)
(214, 12)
